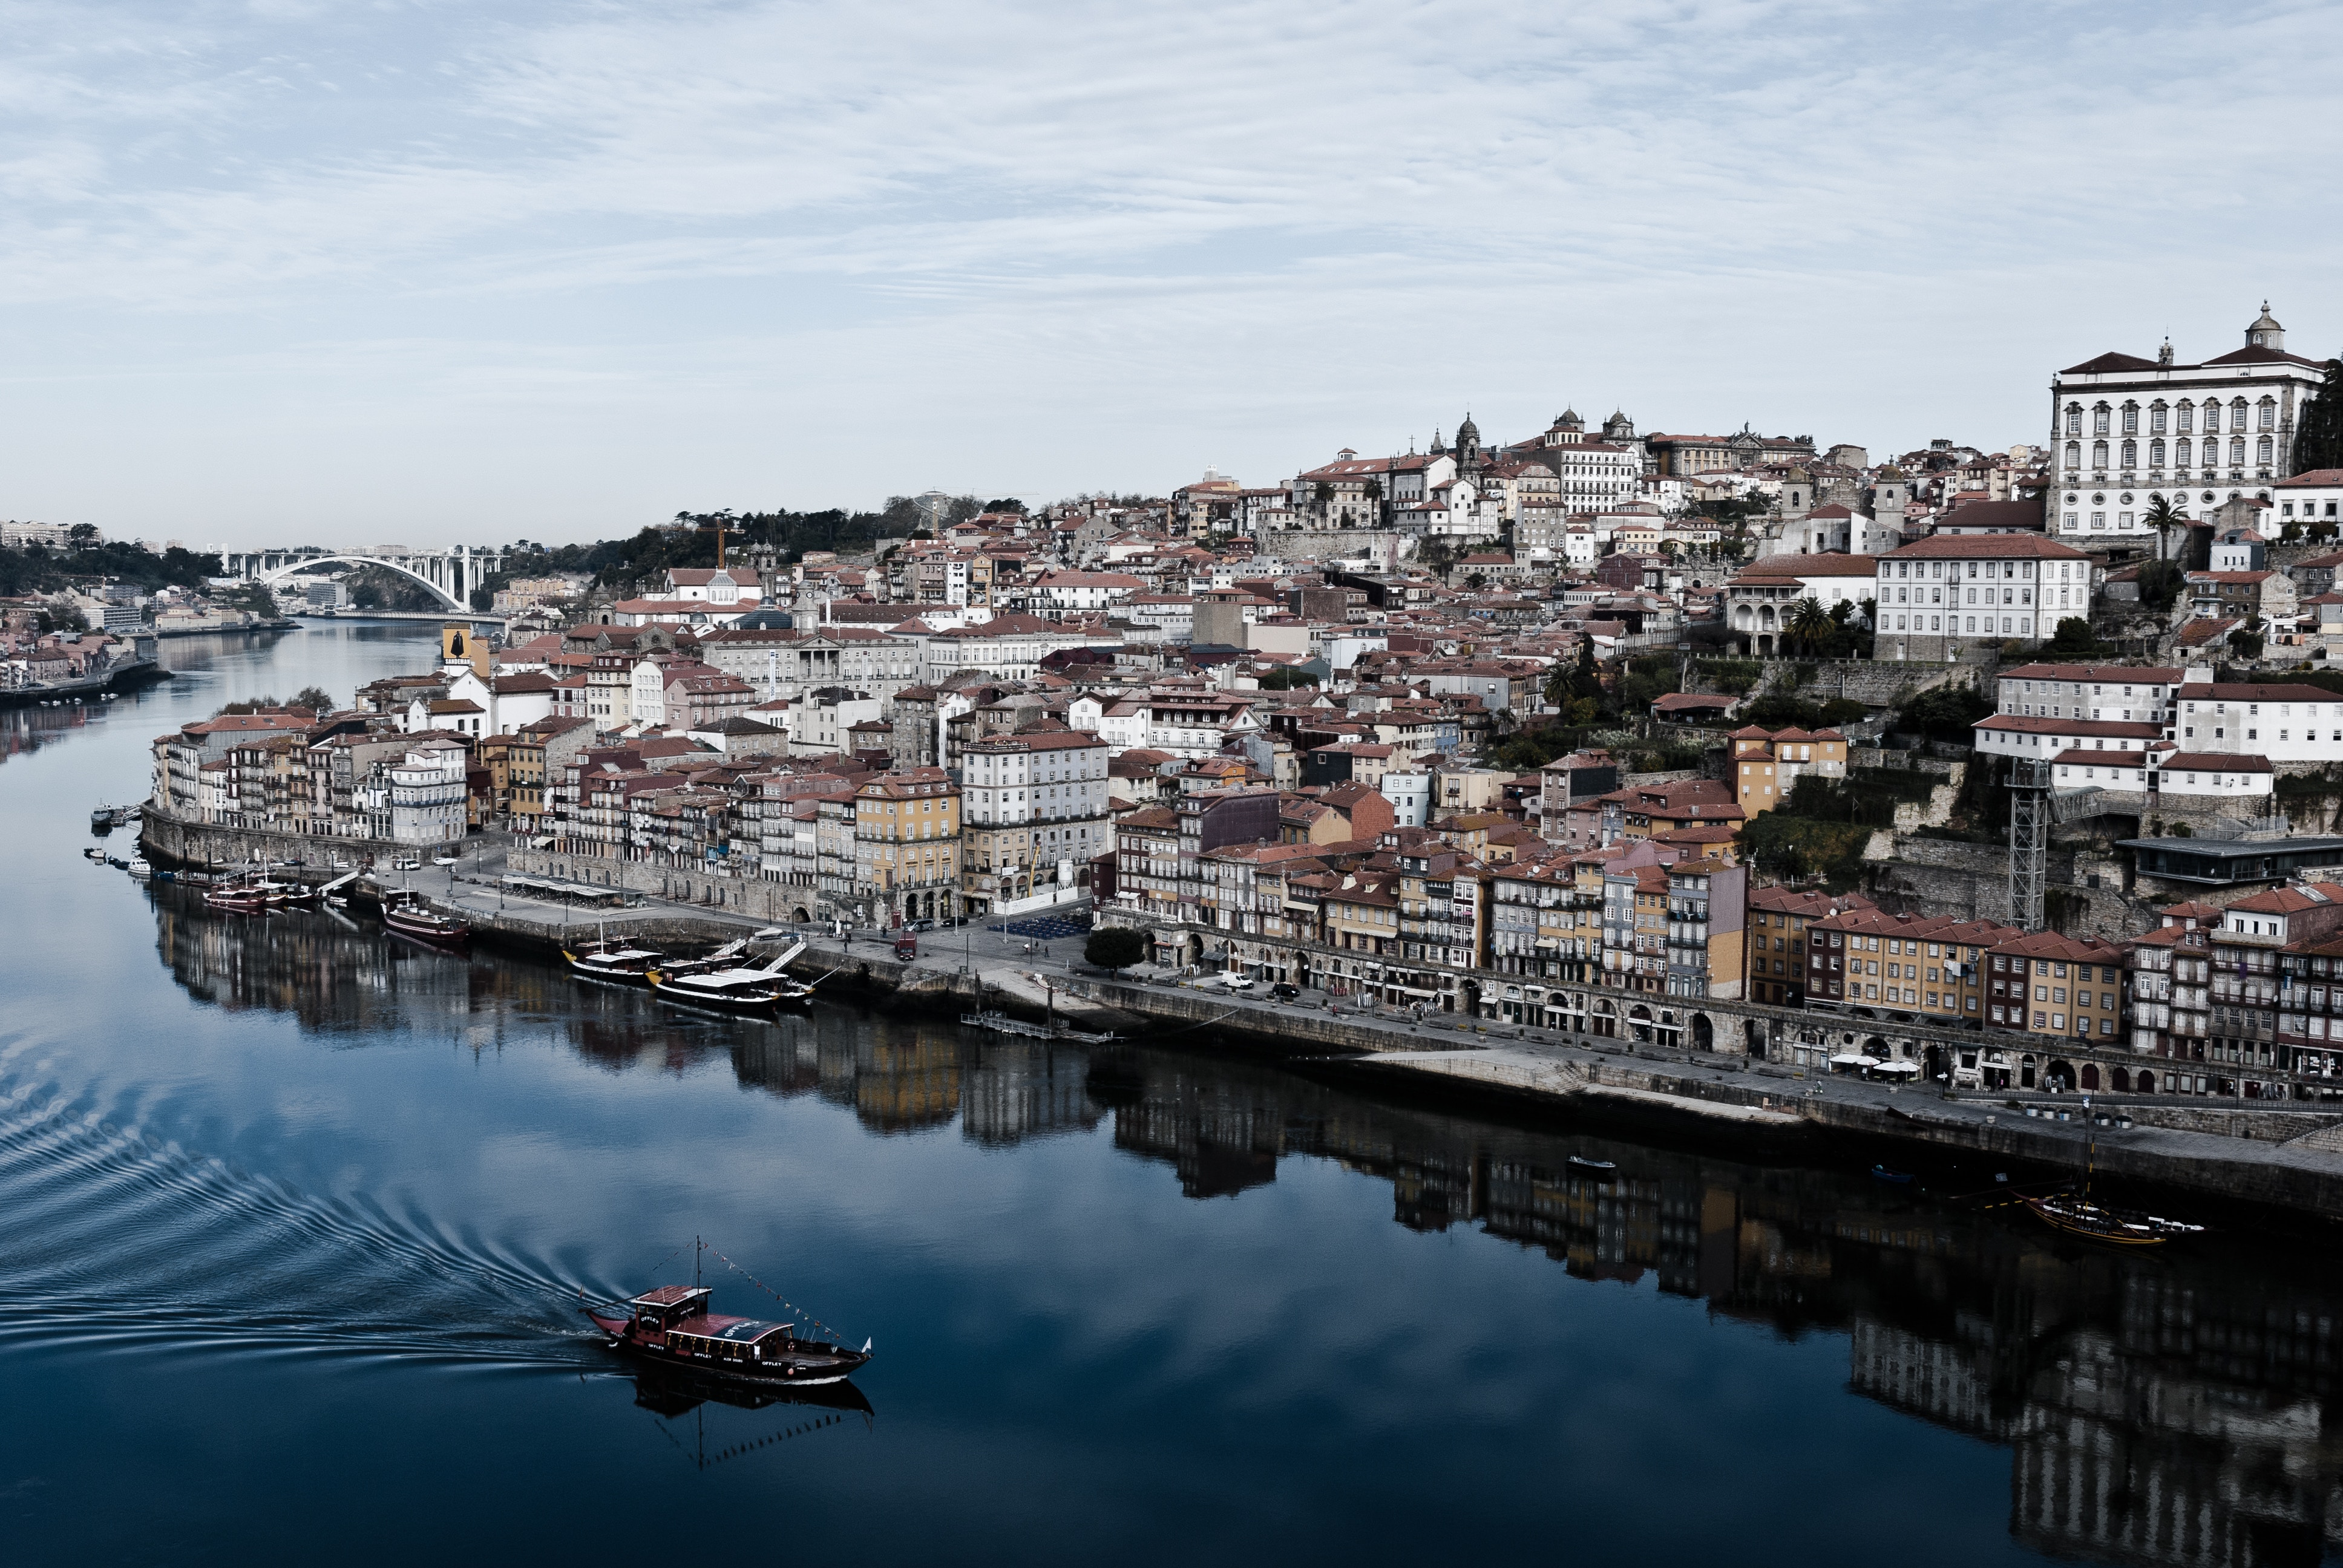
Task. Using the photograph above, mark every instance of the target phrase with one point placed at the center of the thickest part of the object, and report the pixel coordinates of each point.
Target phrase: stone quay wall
(751, 897)
(2010, 1135)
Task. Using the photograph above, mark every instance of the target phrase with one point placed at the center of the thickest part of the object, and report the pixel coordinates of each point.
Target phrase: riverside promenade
(2282, 1158)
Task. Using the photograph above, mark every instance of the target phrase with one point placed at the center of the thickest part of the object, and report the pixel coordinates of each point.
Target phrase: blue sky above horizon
(415, 270)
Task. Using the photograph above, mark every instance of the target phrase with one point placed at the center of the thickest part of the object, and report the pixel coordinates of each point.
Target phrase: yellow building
(1767, 765)
(907, 844)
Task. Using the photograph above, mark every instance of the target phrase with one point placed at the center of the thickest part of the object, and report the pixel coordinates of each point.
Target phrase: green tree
(313, 698)
(1809, 624)
(1116, 948)
(2075, 639)
(2319, 434)
(82, 536)
(2245, 642)
(1285, 678)
(2160, 511)
(1945, 713)
(2160, 583)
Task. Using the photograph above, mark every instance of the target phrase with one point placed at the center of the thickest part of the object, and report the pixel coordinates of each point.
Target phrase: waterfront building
(907, 832)
(1036, 804)
(1776, 949)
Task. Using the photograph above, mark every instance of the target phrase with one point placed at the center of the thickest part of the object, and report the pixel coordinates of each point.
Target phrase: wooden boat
(614, 961)
(137, 866)
(2077, 1215)
(672, 1326)
(405, 911)
(1901, 1178)
(94, 852)
(744, 990)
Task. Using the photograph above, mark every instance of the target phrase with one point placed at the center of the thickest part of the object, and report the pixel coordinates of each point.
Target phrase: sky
(434, 272)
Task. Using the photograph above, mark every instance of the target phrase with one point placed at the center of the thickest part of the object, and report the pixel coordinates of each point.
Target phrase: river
(293, 1222)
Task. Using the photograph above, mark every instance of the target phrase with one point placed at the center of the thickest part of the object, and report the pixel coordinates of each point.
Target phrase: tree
(2160, 511)
(2245, 642)
(1946, 713)
(63, 614)
(1005, 504)
(1116, 948)
(81, 536)
(313, 698)
(1809, 624)
(2318, 435)
(1476, 581)
(2073, 640)
(1285, 678)
(2160, 583)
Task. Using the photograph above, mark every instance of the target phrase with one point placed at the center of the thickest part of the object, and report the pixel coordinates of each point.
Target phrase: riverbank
(2281, 1158)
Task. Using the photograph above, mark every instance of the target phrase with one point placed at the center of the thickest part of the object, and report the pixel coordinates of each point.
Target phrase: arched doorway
(1639, 1022)
(800, 915)
(1704, 1033)
(2026, 1071)
(2144, 1084)
(2058, 1076)
(2090, 1075)
(1606, 1018)
(1753, 1036)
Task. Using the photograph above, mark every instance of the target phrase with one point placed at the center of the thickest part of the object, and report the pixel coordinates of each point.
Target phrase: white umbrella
(1849, 1058)
(1899, 1067)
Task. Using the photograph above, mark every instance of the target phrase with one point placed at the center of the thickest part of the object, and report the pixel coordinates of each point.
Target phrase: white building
(2123, 693)
(1939, 592)
(1759, 598)
(2282, 723)
(427, 796)
(2126, 431)
(2307, 498)
(1034, 811)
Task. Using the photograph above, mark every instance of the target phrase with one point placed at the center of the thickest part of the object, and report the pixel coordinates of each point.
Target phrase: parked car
(1285, 992)
(1235, 981)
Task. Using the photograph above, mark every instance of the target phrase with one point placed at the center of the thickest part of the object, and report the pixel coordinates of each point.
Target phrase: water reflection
(25, 730)
(673, 1394)
(2166, 1410)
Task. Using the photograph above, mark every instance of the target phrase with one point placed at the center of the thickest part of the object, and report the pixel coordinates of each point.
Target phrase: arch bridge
(450, 574)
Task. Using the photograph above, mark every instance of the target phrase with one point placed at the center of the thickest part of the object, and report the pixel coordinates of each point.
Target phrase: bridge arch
(279, 574)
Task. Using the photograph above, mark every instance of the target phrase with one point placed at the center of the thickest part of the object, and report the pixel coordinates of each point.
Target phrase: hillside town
(1567, 730)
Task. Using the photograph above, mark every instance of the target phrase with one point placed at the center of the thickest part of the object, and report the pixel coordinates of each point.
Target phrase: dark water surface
(292, 1221)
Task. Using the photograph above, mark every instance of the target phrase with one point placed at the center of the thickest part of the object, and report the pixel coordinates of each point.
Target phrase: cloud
(1308, 225)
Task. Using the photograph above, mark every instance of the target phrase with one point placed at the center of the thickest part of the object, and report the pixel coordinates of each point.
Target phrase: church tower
(1468, 447)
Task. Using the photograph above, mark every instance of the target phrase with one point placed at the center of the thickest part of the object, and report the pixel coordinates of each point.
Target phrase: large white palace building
(2126, 430)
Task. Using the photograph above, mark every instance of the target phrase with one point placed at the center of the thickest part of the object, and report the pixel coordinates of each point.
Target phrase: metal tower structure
(2029, 839)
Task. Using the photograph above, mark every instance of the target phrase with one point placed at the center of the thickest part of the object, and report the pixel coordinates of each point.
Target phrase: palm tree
(2160, 511)
(1808, 623)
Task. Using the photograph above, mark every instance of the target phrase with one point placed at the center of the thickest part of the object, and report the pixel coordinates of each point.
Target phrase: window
(2180, 451)
(2262, 452)
(2236, 452)
(2099, 420)
(2074, 454)
(2269, 414)
(2155, 419)
(2131, 454)
(2185, 418)
(2156, 454)
(2100, 453)
(2131, 419)
(2073, 418)
(2236, 414)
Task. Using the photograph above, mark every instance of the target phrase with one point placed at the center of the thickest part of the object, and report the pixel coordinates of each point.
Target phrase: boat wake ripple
(109, 1237)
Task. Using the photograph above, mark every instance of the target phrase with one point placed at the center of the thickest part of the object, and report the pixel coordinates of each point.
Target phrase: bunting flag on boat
(776, 1295)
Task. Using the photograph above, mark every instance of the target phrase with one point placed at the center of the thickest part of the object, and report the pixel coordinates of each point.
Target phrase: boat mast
(696, 1245)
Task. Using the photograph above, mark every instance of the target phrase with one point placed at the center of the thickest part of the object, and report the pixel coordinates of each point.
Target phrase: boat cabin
(655, 1311)
(680, 1313)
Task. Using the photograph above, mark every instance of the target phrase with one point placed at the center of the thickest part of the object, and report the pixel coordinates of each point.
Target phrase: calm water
(292, 1224)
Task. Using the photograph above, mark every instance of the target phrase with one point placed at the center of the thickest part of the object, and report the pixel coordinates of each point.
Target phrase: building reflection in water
(24, 731)
(2159, 1410)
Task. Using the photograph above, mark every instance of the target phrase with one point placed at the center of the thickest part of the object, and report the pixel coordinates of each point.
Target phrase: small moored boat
(614, 961)
(405, 911)
(1599, 1167)
(137, 866)
(673, 1325)
(1901, 1178)
(742, 989)
(2079, 1216)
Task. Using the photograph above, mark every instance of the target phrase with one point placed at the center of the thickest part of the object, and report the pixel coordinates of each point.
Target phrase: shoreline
(1728, 1097)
